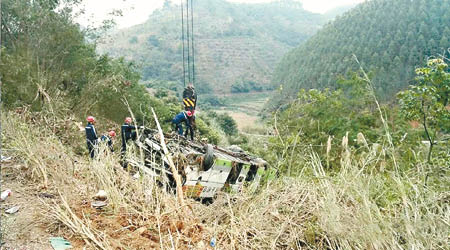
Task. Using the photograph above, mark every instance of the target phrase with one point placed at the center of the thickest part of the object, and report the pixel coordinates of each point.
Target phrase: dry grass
(360, 207)
(242, 119)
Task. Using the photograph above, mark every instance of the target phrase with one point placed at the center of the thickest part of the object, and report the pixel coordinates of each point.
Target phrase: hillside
(390, 39)
(335, 12)
(234, 43)
(343, 170)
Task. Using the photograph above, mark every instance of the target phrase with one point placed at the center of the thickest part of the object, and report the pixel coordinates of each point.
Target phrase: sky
(136, 11)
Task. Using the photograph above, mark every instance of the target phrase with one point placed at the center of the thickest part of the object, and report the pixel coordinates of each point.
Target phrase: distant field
(245, 107)
(249, 103)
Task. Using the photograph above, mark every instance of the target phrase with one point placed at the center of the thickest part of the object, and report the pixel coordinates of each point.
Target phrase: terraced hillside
(234, 43)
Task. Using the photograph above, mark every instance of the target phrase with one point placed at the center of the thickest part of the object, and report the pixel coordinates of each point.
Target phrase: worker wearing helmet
(190, 103)
(190, 98)
(91, 136)
(128, 132)
(181, 117)
(108, 139)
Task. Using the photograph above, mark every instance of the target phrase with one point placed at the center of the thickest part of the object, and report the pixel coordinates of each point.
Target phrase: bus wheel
(208, 158)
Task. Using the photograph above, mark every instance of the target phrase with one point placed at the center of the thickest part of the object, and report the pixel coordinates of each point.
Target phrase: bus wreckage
(204, 169)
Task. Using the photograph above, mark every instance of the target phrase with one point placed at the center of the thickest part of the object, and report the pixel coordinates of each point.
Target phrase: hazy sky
(137, 11)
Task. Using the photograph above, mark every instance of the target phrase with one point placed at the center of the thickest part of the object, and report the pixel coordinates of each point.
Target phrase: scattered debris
(5, 194)
(235, 149)
(212, 243)
(47, 195)
(101, 195)
(12, 210)
(59, 243)
(98, 204)
(6, 158)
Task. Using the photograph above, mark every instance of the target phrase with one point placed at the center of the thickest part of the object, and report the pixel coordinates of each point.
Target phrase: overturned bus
(204, 169)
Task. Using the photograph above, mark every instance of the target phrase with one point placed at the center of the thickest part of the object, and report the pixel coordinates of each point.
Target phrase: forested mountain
(329, 15)
(389, 37)
(235, 44)
(47, 66)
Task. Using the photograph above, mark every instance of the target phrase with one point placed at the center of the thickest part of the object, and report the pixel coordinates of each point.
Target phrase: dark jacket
(107, 139)
(127, 132)
(181, 117)
(91, 134)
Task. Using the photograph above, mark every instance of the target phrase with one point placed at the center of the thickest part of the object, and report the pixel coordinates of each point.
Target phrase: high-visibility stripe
(188, 102)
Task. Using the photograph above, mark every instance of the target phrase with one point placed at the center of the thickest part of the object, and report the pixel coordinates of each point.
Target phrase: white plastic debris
(59, 243)
(12, 210)
(101, 195)
(6, 158)
(5, 194)
(98, 204)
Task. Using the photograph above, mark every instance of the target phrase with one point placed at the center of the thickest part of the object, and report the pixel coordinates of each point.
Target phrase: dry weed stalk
(353, 209)
(382, 116)
(80, 226)
(174, 170)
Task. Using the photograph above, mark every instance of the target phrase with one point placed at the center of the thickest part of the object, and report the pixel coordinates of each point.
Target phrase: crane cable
(192, 36)
(182, 41)
(189, 41)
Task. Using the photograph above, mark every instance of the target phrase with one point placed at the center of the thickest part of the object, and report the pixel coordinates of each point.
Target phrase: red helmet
(189, 113)
(90, 119)
(128, 120)
(112, 133)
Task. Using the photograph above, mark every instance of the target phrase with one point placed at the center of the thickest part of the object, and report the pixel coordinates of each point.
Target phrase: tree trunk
(427, 133)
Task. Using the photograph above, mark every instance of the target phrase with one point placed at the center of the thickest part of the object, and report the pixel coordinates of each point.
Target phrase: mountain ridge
(390, 39)
(235, 44)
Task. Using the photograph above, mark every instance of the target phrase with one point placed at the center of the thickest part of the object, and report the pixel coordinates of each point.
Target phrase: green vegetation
(428, 101)
(47, 65)
(233, 42)
(225, 121)
(390, 39)
(351, 172)
(246, 86)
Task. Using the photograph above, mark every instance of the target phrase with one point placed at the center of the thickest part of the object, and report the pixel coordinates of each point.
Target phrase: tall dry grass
(359, 207)
(354, 209)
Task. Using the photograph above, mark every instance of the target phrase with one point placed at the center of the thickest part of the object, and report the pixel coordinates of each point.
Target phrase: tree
(428, 100)
(49, 63)
(444, 43)
(411, 30)
(227, 124)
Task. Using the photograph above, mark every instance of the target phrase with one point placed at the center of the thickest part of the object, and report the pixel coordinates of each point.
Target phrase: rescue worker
(181, 117)
(190, 103)
(190, 129)
(91, 136)
(108, 139)
(190, 98)
(127, 133)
